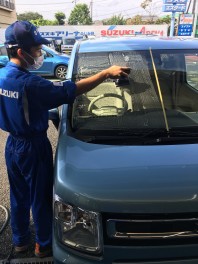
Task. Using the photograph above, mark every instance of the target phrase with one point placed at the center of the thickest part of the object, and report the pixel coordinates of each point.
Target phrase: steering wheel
(108, 110)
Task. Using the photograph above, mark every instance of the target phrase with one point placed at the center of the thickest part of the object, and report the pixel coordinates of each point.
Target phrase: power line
(54, 10)
(95, 16)
(45, 4)
(120, 11)
(62, 3)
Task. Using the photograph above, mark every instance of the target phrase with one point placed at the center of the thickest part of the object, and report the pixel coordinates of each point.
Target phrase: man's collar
(12, 64)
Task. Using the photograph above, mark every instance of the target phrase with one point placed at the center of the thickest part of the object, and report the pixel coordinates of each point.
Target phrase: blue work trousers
(30, 171)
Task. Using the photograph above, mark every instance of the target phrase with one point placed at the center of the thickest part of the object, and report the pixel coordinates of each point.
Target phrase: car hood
(145, 179)
(65, 56)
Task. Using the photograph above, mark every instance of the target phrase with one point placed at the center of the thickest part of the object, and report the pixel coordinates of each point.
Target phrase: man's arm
(89, 83)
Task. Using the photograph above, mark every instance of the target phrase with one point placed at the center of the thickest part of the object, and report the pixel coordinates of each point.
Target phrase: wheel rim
(61, 72)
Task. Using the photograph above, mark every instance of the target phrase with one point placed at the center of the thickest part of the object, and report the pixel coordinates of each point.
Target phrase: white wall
(2, 35)
(57, 32)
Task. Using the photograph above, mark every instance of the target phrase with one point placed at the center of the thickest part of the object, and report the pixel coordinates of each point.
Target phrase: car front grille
(153, 229)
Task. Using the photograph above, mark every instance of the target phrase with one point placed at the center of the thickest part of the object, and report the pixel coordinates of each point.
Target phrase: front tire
(60, 72)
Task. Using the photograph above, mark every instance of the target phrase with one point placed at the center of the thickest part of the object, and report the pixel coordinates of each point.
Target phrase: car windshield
(161, 92)
(68, 41)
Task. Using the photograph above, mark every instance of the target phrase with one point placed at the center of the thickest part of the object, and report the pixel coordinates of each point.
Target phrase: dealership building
(7, 13)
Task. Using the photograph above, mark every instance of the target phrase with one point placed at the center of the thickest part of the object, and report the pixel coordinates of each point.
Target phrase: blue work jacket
(25, 99)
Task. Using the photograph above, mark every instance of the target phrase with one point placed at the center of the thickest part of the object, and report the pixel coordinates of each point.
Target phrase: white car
(67, 44)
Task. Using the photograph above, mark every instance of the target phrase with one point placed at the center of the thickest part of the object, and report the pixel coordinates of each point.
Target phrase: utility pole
(195, 13)
(172, 26)
(187, 10)
(91, 8)
(193, 7)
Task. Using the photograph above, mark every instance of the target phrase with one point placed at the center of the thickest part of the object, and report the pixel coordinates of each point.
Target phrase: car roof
(135, 43)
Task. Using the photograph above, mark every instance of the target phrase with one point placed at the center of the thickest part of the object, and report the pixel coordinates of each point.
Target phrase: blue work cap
(23, 34)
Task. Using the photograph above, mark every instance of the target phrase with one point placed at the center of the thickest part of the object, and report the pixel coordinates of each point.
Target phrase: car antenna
(160, 92)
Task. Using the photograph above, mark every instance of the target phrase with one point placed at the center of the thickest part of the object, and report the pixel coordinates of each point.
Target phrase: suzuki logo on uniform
(10, 94)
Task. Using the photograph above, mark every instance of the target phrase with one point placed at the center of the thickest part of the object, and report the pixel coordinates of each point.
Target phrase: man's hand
(115, 72)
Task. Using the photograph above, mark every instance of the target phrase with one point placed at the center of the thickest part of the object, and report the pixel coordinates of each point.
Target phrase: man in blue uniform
(24, 103)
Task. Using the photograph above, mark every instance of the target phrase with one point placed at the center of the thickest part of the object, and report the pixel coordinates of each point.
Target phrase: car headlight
(78, 228)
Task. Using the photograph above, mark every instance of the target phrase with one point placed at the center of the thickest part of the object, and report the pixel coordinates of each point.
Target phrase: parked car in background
(55, 45)
(126, 167)
(55, 64)
(3, 56)
(67, 44)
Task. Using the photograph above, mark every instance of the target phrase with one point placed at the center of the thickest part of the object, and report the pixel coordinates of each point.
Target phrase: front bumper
(130, 255)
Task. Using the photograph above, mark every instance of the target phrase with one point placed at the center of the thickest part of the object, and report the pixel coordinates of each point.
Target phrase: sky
(101, 9)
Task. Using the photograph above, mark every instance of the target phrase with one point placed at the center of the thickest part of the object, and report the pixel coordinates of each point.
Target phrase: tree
(60, 16)
(44, 22)
(80, 15)
(29, 16)
(115, 20)
(136, 20)
(151, 9)
(164, 20)
(145, 4)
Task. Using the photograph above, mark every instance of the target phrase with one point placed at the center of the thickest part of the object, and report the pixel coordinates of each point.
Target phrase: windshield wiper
(143, 133)
(181, 133)
(160, 136)
(141, 136)
(159, 132)
(108, 138)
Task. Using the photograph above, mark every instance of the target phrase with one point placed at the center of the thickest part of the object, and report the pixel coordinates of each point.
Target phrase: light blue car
(126, 167)
(55, 64)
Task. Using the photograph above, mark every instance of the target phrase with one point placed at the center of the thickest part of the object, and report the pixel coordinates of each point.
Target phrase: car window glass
(192, 69)
(136, 102)
(50, 51)
(46, 54)
(68, 41)
(3, 51)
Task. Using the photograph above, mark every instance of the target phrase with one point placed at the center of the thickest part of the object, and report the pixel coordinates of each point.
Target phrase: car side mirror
(54, 117)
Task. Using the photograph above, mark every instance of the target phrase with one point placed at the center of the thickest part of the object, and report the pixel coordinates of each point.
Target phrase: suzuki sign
(57, 32)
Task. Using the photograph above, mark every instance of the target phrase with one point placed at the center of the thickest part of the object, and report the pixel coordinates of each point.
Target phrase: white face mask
(38, 62)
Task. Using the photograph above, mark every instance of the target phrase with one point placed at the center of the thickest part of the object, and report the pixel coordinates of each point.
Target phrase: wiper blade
(107, 138)
(161, 136)
(179, 132)
(156, 132)
(170, 134)
(140, 136)
(159, 132)
(143, 133)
